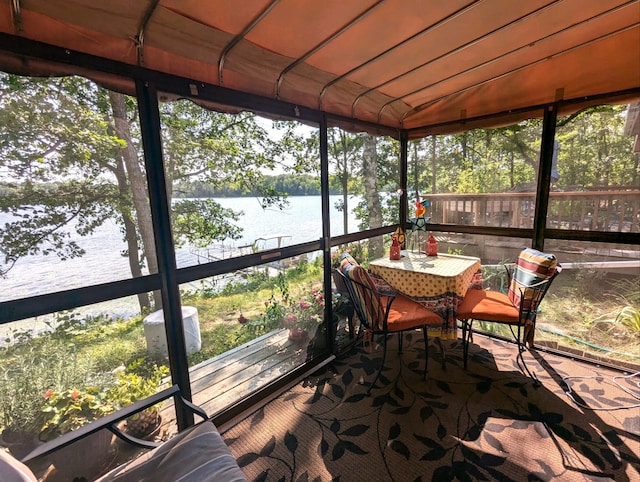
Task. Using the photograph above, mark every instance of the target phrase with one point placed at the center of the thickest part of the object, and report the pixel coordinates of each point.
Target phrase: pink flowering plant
(304, 312)
(64, 411)
(299, 313)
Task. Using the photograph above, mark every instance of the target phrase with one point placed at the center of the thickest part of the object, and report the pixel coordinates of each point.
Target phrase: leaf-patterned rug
(489, 422)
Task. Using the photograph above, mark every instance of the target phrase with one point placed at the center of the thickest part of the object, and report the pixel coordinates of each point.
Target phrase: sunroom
(179, 179)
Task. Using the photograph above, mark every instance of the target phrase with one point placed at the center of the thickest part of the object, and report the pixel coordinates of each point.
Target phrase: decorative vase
(394, 251)
(153, 434)
(431, 246)
(144, 424)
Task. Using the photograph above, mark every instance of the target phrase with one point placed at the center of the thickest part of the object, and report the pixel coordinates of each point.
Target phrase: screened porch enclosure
(221, 158)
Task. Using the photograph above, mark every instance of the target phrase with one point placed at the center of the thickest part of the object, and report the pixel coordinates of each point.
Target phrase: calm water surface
(103, 261)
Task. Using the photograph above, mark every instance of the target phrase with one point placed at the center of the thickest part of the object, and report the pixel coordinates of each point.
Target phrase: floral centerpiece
(305, 314)
(301, 313)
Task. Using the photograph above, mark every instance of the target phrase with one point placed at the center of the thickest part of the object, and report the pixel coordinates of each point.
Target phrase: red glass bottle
(431, 247)
(394, 251)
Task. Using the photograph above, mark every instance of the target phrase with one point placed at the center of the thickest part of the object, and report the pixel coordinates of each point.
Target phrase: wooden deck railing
(603, 210)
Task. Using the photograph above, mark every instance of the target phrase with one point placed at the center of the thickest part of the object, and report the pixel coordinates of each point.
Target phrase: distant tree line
(289, 184)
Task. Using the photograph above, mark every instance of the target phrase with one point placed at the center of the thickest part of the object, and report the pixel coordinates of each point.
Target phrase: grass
(88, 351)
(220, 328)
(591, 307)
(591, 312)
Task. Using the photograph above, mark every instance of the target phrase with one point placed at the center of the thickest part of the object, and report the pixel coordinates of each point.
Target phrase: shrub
(31, 367)
(70, 409)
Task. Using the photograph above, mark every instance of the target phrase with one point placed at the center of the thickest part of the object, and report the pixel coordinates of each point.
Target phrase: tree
(49, 144)
(72, 157)
(128, 173)
(371, 196)
(344, 149)
(594, 150)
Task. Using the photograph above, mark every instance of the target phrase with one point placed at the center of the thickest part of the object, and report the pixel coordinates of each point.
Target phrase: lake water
(103, 261)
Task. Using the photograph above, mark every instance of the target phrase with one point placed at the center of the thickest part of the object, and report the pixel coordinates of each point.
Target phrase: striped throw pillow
(347, 262)
(368, 299)
(532, 268)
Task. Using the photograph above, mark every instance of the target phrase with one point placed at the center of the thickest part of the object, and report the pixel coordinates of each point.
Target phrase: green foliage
(588, 281)
(255, 280)
(629, 316)
(494, 328)
(627, 289)
(627, 295)
(306, 311)
(302, 268)
(89, 329)
(80, 352)
(203, 221)
(495, 278)
(357, 250)
(289, 184)
(73, 153)
(301, 309)
(49, 142)
(67, 410)
(20, 399)
(271, 319)
(139, 380)
(390, 211)
(593, 152)
(31, 366)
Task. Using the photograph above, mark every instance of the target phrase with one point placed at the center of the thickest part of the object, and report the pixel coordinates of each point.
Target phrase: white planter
(155, 334)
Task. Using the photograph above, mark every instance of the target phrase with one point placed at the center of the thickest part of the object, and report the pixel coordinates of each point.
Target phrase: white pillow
(196, 455)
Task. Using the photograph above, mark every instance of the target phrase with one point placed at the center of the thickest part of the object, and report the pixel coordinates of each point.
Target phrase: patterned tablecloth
(436, 282)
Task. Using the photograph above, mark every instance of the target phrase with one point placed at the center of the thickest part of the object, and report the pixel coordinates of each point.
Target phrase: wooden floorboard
(227, 378)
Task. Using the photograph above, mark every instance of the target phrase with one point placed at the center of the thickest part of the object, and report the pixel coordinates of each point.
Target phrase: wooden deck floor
(233, 375)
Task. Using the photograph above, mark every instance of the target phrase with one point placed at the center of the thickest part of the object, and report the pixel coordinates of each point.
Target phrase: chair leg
(521, 344)
(351, 326)
(400, 336)
(384, 357)
(466, 339)
(426, 351)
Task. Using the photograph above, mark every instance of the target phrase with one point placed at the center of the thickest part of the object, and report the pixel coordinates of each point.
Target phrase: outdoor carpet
(489, 422)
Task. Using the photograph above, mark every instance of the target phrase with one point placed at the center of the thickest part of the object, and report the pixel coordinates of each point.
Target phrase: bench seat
(196, 454)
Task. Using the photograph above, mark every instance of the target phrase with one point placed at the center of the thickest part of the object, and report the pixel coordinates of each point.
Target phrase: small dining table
(439, 283)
